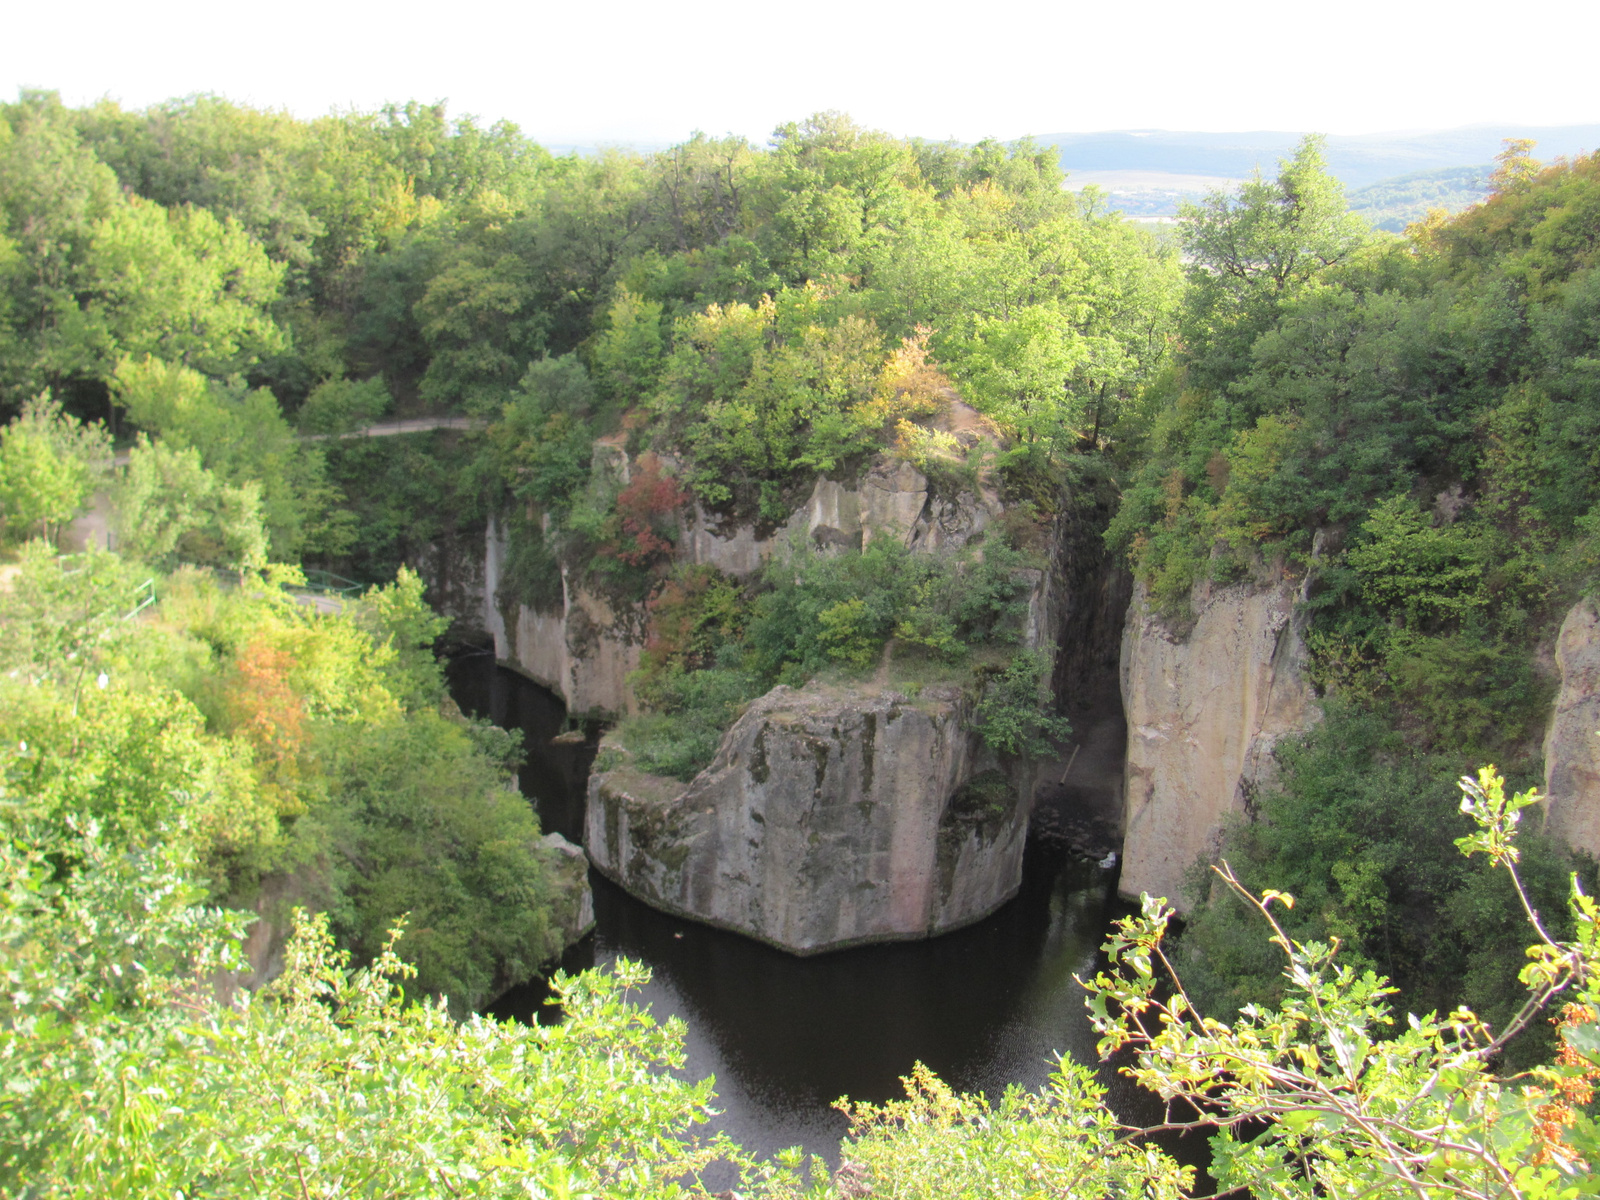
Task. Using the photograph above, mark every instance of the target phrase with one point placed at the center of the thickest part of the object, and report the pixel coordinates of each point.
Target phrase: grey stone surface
(584, 651)
(1204, 714)
(1571, 745)
(574, 901)
(829, 817)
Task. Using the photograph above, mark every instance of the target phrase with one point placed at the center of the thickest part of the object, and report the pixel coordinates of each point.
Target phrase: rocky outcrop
(573, 898)
(1571, 744)
(892, 499)
(584, 646)
(1204, 714)
(830, 817)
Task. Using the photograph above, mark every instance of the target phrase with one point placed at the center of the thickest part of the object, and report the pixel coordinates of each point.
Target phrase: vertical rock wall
(585, 648)
(1204, 713)
(584, 651)
(1571, 745)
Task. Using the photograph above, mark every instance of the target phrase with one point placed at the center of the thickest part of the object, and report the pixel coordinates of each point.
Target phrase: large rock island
(831, 816)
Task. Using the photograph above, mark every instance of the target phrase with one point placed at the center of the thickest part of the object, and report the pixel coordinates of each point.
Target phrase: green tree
(830, 191)
(63, 611)
(1360, 827)
(1319, 1095)
(1013, 715)
(234, 161)
(1021, 373)
(50, 464)
(53, 195)
(1252, 250)
(243, 438)
(544, 440)
(170, 509)
(398, 790)
(343, 405)
(180, 285)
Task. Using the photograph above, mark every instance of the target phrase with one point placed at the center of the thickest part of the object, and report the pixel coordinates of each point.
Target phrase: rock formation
(1571, 745)
(574, 898)
(583, 650)
(1204, 713)
(830, 817)
(585, 647)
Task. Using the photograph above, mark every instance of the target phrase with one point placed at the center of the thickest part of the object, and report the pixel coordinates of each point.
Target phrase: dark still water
(986, 1006)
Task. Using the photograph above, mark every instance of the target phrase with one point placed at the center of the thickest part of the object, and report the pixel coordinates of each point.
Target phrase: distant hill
(1357, 159)
(1395, 203)
(1393, 178)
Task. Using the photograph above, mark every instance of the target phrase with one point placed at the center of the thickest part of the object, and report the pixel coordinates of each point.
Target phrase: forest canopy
(200, 300)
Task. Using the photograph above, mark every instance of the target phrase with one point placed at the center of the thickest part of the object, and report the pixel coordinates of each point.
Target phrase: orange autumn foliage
(1572, 1093)
(260, 706)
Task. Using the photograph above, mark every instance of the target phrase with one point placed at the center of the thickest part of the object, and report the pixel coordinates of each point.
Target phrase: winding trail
(379, 429)
(93, 526)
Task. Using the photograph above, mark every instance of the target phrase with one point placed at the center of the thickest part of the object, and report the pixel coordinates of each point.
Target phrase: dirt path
(410, 425)
(381, 429)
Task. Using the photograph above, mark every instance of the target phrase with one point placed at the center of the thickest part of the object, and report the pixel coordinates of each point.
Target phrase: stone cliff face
(830, 817)
(584, 648)
(583, 651)
(572, 899)
(1204, 713)
(1571, 746)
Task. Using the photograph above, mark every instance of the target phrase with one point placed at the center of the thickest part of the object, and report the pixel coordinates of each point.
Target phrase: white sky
(632, 72)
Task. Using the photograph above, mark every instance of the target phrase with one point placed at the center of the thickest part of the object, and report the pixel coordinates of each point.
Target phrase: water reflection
(985, 1007)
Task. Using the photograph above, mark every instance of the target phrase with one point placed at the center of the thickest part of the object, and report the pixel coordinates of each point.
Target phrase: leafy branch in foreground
(1316, 1099)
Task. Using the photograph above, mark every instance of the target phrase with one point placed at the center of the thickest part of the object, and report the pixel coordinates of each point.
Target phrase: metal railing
(143, 596)
(326, 583)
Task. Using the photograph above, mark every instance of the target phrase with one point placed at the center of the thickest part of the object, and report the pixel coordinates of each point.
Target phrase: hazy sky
(653, 72)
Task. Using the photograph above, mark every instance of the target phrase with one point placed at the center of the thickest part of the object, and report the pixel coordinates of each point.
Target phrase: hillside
(837, 457)
(1393, 204)
(1356, 160)
(1150, 172)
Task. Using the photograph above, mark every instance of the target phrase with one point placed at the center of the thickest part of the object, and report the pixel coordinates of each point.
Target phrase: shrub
(344, 405)
(1012, 716)
(690, 711)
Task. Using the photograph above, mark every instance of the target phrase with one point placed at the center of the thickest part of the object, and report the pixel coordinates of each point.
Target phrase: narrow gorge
(847, 812)
(840, 813)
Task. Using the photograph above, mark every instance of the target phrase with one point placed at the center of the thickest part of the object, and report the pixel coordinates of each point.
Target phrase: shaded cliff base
(880, 939)
(1077, 799)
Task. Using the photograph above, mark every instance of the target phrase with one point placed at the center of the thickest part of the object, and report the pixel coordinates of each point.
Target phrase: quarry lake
(986, 1006)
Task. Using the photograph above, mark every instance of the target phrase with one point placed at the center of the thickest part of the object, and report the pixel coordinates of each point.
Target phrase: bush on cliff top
(715, 644)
